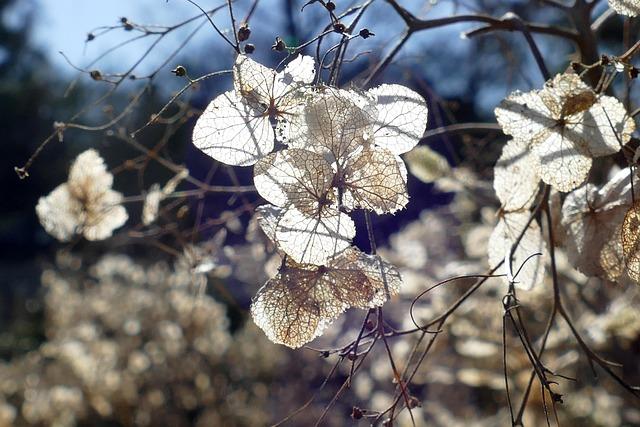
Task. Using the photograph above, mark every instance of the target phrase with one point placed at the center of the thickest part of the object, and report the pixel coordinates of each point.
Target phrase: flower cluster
(566, 125)
(626, 7)
(557, 132)
(338, 151)
(85, 204)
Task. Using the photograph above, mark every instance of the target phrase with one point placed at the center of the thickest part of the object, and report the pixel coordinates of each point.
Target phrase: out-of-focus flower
(85, 204)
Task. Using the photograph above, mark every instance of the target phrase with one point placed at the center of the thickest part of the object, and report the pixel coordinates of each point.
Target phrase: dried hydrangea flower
(516, 179)
(84, 204)
(626, 7)
(510, 226)
(235, 128)
(566, 124)
(592, 219)
(297, 305)
(365, 175)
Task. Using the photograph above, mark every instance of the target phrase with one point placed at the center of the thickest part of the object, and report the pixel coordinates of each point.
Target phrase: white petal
(516, 179)
(561, 164)
(333, 124)
(402, 117)
(505, 234)
(375, 180)
(253, 81)
(232, 132)
(313, 240)
(524, 116)
(605, 127)
(293, 176)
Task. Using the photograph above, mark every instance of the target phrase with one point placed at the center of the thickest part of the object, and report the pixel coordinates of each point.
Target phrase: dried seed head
(179, 71)
(279, 45)
(249, 48)
(244, 32)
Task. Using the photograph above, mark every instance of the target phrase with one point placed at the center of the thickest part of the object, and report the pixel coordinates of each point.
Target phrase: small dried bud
(369, 325)
(132, 77)
(575, 66)
(124, 20)
(90, 37)
(331, 6)
(95, 75)
(356, 413)
(633, 72)
(279, 45)
(365, 33)
(414, 402)
(244, 32)
(604, 60)
(339, 27)
(325, 354)
(179, 71)
(249, 48)
(352, 357)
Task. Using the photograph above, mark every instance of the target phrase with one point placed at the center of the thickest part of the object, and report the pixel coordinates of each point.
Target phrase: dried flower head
(302, 300)
(236, 126)
(566, 124)
(85, 204)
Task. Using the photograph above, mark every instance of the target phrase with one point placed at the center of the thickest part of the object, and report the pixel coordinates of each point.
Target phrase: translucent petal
(626, 7)
(253, 81)
(268, 217)
(516, 177)
(233, 132)
(566, 95)
(605, 127)
(402, 117)
(298, 72)
(374, 180)
(592, 220)
(630, 235)
(295, 307)
(286, 313)
(505, 234)
(333, 124)
(314, 239)
(59, 213)
(524, 116)
(294, 176)
(561, 164)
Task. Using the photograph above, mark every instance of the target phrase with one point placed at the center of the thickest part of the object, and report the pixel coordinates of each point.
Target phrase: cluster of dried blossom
(336, 151)
(85, 204)
(557, 132)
